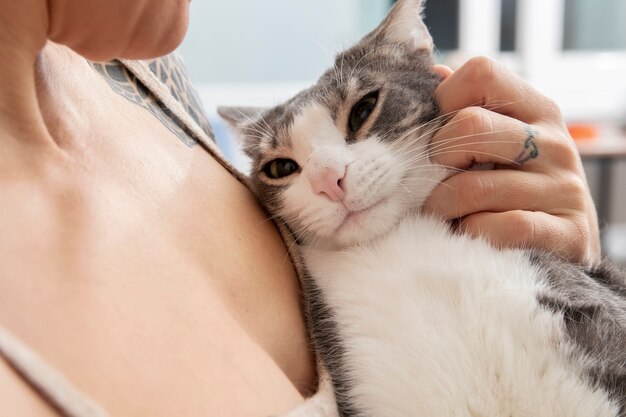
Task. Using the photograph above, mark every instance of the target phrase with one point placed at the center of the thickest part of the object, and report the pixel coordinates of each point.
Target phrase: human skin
(541, 203)
(136, 266)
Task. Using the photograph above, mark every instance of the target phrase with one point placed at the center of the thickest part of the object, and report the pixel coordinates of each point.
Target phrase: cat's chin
(365, 225)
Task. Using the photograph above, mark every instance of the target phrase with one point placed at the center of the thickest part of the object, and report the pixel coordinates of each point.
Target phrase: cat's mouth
(356, 217)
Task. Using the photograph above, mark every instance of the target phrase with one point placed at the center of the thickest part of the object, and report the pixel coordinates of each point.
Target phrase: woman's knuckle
(570, 159)
(574, 186)
(561, 148)
(552, 110)
(580, 238)
(472, 120)
(481, 69)
(475, 191)
(522, 226)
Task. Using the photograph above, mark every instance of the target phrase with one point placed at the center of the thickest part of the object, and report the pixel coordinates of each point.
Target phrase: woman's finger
(475, 135)
(483, 82)
(563, 236)
(443, 71)
(504, 190)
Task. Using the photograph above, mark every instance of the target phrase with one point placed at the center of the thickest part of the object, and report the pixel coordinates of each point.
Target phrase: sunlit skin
(137, 267)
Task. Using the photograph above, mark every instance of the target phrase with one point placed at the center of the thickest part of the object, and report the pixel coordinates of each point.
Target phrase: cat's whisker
(260, 138)
(434, 167)
(368, 65)
(343, 56)
(414, 159)
(452, 144)
(401, 184)
(415, 164)
(461, 145)
(448, 141)
(290, 248)
(256, 128)
(436, 122)
(438, 182)
(445, 143)
(270, 218)
(403, 143)
(367, 54)
(304, 232)
(481, 153)
(270, 129)
(400, 144)
(324, 49)
(450, 115)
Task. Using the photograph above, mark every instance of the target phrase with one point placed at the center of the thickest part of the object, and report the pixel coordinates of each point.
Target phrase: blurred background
(250, 52)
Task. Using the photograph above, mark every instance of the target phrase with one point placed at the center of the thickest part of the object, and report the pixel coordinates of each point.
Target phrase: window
(575, 51)
(572, 50)
(594, 26)
(442, 20)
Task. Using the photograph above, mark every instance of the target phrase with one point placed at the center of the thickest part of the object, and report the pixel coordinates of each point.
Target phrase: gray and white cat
(409, 318)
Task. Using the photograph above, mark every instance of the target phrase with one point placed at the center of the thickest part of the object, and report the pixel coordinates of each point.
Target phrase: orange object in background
(583, 131)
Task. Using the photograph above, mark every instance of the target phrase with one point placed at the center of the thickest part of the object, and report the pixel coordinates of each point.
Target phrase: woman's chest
(152, 278)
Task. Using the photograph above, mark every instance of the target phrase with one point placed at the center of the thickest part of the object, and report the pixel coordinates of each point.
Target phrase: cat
(409, 317)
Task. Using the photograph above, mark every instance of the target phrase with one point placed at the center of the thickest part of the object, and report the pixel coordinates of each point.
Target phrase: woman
(135, 263)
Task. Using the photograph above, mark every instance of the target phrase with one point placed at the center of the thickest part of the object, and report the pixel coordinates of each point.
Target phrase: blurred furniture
(605, 149)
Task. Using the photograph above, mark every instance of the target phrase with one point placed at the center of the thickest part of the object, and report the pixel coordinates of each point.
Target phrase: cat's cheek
(313, 218)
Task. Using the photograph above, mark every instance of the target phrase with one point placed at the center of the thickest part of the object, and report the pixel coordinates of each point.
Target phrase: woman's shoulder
(163, 87)
(172, 72)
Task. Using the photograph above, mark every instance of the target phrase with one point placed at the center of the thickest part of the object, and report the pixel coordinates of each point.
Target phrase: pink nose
(329, 182)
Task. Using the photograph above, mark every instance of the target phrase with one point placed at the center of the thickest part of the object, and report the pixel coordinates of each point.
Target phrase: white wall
(278, 40)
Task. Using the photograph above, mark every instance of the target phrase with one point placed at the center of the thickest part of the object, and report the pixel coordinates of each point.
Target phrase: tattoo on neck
(128, 86)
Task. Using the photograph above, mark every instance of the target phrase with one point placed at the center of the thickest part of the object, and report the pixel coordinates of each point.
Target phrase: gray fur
(593, 307)
(326, 340)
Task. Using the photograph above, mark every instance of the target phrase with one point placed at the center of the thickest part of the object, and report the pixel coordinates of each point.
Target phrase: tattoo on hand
(530, 150)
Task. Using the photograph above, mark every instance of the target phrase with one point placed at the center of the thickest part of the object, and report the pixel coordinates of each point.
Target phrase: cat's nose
(329, 183)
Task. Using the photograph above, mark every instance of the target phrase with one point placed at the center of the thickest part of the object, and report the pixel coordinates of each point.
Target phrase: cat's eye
(361, 111)
(279, 168)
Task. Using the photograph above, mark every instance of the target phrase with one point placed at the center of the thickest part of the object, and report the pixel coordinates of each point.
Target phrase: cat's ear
(238, 117)
(404, 26)
(240, 120)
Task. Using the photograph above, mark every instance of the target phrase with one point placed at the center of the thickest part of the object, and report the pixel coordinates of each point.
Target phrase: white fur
(441, 325)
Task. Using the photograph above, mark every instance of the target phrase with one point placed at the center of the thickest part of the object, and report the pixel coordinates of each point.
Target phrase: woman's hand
(537, 195)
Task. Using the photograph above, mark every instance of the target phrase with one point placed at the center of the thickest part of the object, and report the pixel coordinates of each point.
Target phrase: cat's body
(409, 318)
(434, 324)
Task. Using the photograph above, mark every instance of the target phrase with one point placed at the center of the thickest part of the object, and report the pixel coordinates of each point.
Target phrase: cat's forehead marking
(314, 128)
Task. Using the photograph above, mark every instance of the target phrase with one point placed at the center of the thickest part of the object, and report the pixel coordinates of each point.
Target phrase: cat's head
(343, 161)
